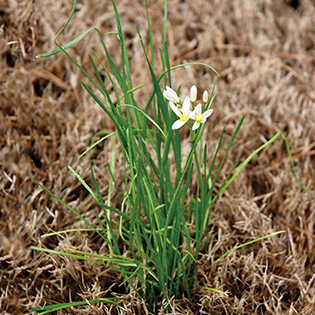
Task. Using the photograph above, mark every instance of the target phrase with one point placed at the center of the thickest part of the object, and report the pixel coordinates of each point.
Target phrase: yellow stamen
(183, 117)
(199, 118)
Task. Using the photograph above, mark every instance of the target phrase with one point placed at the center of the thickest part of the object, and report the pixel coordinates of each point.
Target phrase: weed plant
(158, 225)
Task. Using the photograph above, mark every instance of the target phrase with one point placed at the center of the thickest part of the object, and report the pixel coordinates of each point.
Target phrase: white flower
(193, 94)
(205, 96)
(183, 112)
(198, 117)
(171, 95)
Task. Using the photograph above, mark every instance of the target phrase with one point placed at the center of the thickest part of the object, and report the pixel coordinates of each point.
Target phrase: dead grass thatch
(265, 54)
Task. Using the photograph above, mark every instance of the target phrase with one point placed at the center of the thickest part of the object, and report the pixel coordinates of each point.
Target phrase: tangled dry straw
(265, 54)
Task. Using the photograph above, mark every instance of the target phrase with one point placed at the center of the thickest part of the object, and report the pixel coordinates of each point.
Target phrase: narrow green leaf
(248, 243)
(55, 307)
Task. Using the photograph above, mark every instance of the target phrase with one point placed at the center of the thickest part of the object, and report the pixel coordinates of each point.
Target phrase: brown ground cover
(265, 54)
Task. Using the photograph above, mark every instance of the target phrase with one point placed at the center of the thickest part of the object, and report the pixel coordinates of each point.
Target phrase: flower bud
(205, 97)
(171, 95)
(193, 94)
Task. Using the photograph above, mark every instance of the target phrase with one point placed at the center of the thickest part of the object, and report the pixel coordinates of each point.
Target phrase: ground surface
(265, 53)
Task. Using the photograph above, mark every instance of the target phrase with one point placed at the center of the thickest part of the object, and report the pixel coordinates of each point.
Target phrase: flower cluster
(183, 110)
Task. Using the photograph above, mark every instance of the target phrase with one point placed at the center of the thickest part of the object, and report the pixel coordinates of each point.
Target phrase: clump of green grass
(164, 242)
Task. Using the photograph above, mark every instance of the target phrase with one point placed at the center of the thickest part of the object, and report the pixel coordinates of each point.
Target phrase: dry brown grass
(265, 53)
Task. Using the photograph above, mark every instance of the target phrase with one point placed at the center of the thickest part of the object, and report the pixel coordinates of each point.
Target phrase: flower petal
(175, 109)
(186, 105)
(177, 124)
(207, 113)
(198, 108)
(192, 114)
(195, 126)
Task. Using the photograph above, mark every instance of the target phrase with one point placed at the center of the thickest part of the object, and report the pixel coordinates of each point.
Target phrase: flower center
(199, 118)
(183, 117)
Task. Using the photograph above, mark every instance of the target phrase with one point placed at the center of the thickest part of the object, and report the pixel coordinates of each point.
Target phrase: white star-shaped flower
(183, 112)
(198, 117)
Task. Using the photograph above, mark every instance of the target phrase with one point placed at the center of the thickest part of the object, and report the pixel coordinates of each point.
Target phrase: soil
(264, 52)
